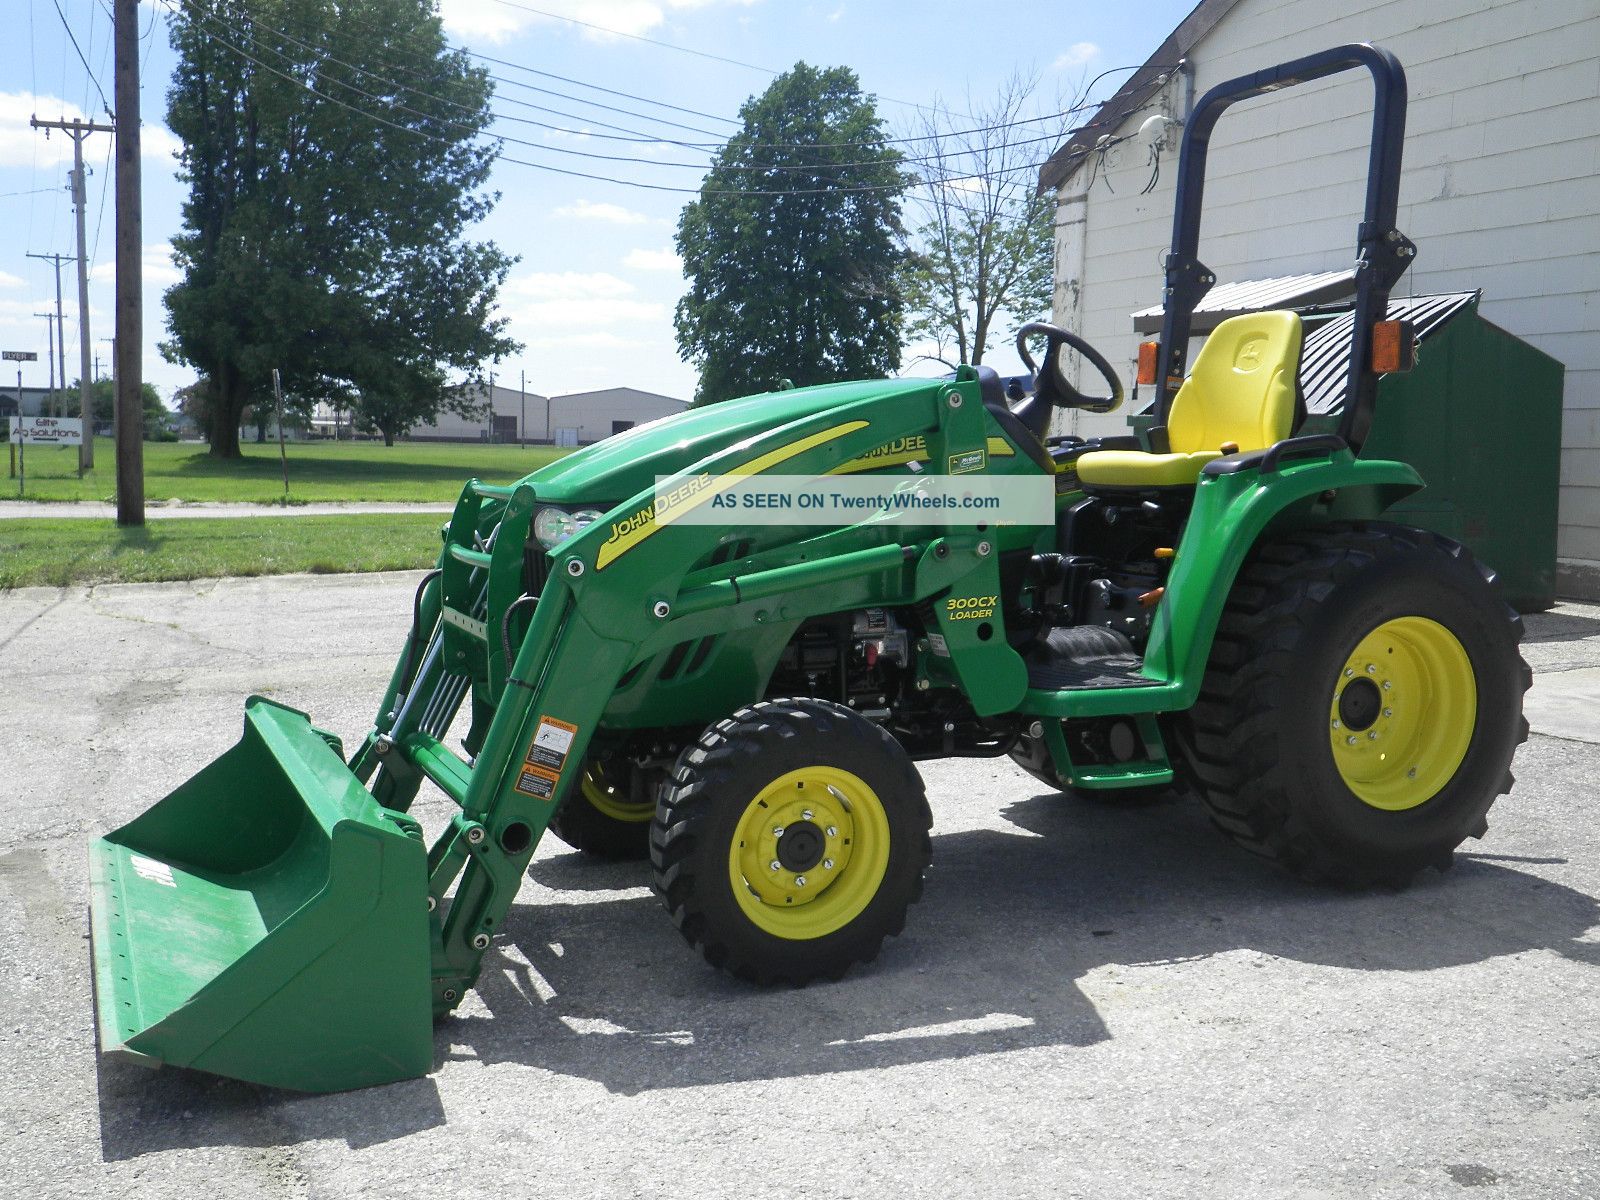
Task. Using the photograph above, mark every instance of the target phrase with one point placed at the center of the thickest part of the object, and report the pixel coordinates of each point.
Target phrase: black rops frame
(1383, 252)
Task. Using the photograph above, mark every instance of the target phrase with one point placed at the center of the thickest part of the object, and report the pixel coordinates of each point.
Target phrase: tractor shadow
(605, 989)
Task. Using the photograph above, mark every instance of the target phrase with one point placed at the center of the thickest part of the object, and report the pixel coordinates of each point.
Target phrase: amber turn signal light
(1149, 352)
(1394, 346)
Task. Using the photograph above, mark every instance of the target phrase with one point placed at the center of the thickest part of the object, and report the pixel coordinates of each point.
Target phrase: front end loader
(1217, 606)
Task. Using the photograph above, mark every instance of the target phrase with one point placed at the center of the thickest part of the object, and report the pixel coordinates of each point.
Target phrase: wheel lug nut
(1388, 712)
(832, 831)
(777, 831)
(799, 881)
(1371, 669)
(827, 864)
(1411, 774)
(806, 816)
(1336, 722)
(775, 865)
(1348, 672)
(1372, 735)
(1387, 685)
(1351, 740)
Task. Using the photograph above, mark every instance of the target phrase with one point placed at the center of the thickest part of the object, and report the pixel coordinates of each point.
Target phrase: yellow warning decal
(630, 531)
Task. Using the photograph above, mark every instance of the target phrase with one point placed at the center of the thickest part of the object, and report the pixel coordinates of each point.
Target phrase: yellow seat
(1241, 391)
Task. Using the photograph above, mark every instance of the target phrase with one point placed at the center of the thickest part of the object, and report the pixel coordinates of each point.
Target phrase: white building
(1501, 187)
(575, 419)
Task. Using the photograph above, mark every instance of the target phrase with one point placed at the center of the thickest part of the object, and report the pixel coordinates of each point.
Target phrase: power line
(391, 85)
(639, 37)
(655, 187)
(89, 71)
(237, 31)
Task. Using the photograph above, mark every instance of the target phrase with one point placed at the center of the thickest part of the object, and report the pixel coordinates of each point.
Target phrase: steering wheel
(1050, 382)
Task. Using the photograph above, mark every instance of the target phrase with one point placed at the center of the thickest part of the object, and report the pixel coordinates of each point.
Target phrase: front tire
(1361, 706)
(790, 842)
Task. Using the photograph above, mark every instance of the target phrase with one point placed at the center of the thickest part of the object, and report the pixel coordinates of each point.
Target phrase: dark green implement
(267, 921)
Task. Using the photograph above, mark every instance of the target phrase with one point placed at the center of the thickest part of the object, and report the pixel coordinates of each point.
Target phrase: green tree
(793, 248)
(102, 398)
(334, 160)
(984, 257)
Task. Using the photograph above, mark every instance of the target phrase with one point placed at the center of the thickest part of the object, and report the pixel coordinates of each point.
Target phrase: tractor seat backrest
(1242, 387)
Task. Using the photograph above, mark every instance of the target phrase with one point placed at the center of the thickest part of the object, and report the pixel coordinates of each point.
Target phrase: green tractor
(1218, 606)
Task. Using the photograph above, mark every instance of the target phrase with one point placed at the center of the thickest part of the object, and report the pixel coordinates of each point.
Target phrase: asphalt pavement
(1090, 1001)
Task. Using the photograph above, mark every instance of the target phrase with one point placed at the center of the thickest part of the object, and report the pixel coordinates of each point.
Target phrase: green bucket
(267, 921)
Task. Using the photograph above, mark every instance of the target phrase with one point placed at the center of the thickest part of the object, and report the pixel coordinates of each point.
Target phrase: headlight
(552, 526)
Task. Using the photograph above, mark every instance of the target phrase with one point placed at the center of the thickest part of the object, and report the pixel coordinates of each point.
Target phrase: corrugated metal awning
(1256, 295)
(1325, 357)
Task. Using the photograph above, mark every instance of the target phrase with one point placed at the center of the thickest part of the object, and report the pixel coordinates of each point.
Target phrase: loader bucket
(267, 921)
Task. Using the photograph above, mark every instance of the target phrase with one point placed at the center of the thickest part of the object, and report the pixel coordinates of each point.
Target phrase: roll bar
(1382, 252)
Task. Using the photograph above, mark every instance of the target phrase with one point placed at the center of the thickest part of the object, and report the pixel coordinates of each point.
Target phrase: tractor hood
(627, 463)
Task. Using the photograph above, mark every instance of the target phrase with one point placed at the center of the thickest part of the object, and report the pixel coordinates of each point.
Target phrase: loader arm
(624, 589)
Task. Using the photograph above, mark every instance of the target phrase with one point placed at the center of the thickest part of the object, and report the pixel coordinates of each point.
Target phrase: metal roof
(1325, 357)
(1256, 295)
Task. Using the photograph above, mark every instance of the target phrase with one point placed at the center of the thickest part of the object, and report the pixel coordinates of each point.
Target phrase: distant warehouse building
(575, 419)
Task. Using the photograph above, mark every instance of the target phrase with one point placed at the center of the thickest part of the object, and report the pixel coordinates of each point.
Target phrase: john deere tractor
(1218, 605)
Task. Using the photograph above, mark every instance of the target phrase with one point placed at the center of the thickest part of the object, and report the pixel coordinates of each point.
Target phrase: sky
(592, 294)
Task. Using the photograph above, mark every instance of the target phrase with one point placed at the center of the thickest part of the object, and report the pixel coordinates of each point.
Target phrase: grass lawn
(318, 471)
(54, 553)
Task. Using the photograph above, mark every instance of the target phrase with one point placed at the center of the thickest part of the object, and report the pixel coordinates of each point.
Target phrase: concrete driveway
(1088, 1002)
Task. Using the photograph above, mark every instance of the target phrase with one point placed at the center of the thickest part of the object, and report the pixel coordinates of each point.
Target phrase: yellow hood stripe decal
(627, 534)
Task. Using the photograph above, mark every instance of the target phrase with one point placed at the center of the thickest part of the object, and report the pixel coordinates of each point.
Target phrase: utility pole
(77, 131)
(49, 353)
(61, 345)
(522, 422)
(130, 269)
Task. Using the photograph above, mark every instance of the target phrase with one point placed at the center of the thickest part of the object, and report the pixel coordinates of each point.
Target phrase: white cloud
(157, 141)
(8, 280)
(575, 300)
(614, 214)
(1076, 55)
(497, 22)
(156, 259)
(653, 260)
(21, 145)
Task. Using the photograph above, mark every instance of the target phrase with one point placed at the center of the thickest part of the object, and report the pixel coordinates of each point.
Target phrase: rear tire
(603, 817)
(822, 895)
(1361, 706)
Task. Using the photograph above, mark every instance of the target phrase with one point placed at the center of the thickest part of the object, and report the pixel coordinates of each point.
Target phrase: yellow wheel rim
(612, 802)
(809, 853)
(1403, 713)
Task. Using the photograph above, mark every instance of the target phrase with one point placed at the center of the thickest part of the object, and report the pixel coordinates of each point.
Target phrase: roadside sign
(47, 431)
(19, 356)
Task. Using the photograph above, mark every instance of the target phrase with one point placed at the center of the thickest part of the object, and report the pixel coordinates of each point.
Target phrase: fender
(1231, 512)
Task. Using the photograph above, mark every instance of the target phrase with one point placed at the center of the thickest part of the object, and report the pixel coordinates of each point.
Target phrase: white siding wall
(1501, 189)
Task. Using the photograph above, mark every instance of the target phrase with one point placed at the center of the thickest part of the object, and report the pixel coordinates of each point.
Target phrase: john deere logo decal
(968, 461)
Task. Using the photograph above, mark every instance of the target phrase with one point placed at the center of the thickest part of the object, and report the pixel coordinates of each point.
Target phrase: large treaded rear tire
(1257, 742)
(710, 807)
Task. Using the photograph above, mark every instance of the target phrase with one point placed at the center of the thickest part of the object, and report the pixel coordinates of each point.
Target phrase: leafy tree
(102, 399)
(799, 283)
(331, 182)
(985, 245)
